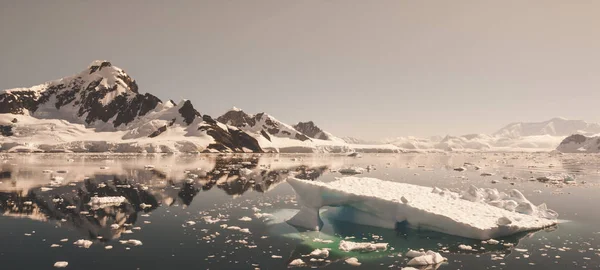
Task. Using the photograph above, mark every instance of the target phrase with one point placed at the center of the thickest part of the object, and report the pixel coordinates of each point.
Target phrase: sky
(368, 69)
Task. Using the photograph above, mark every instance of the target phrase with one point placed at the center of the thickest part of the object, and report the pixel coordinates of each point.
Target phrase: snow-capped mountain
(311, 130)
(545, 136)
(580, 144)
(553, 127)
(101, 109)
(305, 137)
(261, 123)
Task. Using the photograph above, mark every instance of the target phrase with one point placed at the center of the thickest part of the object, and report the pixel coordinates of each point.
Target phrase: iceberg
(475, 213)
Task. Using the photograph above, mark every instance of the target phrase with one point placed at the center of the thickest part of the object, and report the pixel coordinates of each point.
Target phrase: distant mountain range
(553, 127)
(101, 109)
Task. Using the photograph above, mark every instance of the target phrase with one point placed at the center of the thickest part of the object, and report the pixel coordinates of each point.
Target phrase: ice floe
(354, 246)
(474, 213)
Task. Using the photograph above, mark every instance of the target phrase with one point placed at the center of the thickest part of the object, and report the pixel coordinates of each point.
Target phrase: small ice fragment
(61, 264)
(54, 245)
(297, 262)
(245, 219)
(320, 252)
(83, 243)
(353, 261)
(131, 242)
(108, 247)
(429, 258)
(276, 257)
(351, 246)
(190, 223)
(465, 247)
(493, 242)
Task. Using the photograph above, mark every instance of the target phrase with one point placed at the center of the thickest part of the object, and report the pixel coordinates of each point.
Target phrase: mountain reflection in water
(144, 188)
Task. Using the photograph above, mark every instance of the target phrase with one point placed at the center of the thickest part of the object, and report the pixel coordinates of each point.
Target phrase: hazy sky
(369, 69)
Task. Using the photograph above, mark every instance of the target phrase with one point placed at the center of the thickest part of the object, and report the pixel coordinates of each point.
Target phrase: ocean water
(229, 211)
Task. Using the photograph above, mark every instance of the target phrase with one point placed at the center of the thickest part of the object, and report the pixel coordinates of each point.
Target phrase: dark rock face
(237, 119)
(188, 112)
(576, 138)
(311, 130)
(233, 139)
(159, 131)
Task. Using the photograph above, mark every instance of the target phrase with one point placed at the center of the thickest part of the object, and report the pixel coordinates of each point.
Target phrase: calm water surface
(178, 206)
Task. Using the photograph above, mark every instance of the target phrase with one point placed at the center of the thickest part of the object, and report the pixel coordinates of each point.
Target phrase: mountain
(552, 127)
(261, 123)
(101, 109)
(311, 130)
(580, 144)
(304, 137)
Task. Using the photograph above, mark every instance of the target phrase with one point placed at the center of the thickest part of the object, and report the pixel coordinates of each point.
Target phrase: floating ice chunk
(297, 262)
(245, 219)
(465, 247)
(190, 223)
(83, 243)
(115, 226)
(54, 245)
(61, 264)
(276, 257)
(131, 242)
(493, 242)
(103, 202)
(378, 203)
(353, 261)
(352, 246)
(429, 258)
(320, 252)
(108, 247)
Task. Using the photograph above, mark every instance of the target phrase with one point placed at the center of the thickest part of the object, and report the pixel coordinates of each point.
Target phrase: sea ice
(474, 213)
(354, 246)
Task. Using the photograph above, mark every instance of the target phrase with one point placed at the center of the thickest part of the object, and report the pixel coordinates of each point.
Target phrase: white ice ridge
(386, 204)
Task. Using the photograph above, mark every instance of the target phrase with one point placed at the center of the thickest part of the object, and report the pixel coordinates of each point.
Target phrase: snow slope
(475, 213)
(101, 109)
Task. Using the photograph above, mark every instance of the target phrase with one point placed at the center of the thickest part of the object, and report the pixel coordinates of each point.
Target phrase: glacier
(474, 213)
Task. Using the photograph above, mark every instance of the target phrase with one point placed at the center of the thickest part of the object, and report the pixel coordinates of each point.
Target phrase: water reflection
(145, 188)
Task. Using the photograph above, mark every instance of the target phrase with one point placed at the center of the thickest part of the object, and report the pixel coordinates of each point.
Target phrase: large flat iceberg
(473, 213)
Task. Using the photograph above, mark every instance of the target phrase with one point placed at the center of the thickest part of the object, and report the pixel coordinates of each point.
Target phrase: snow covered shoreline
(476, 213)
